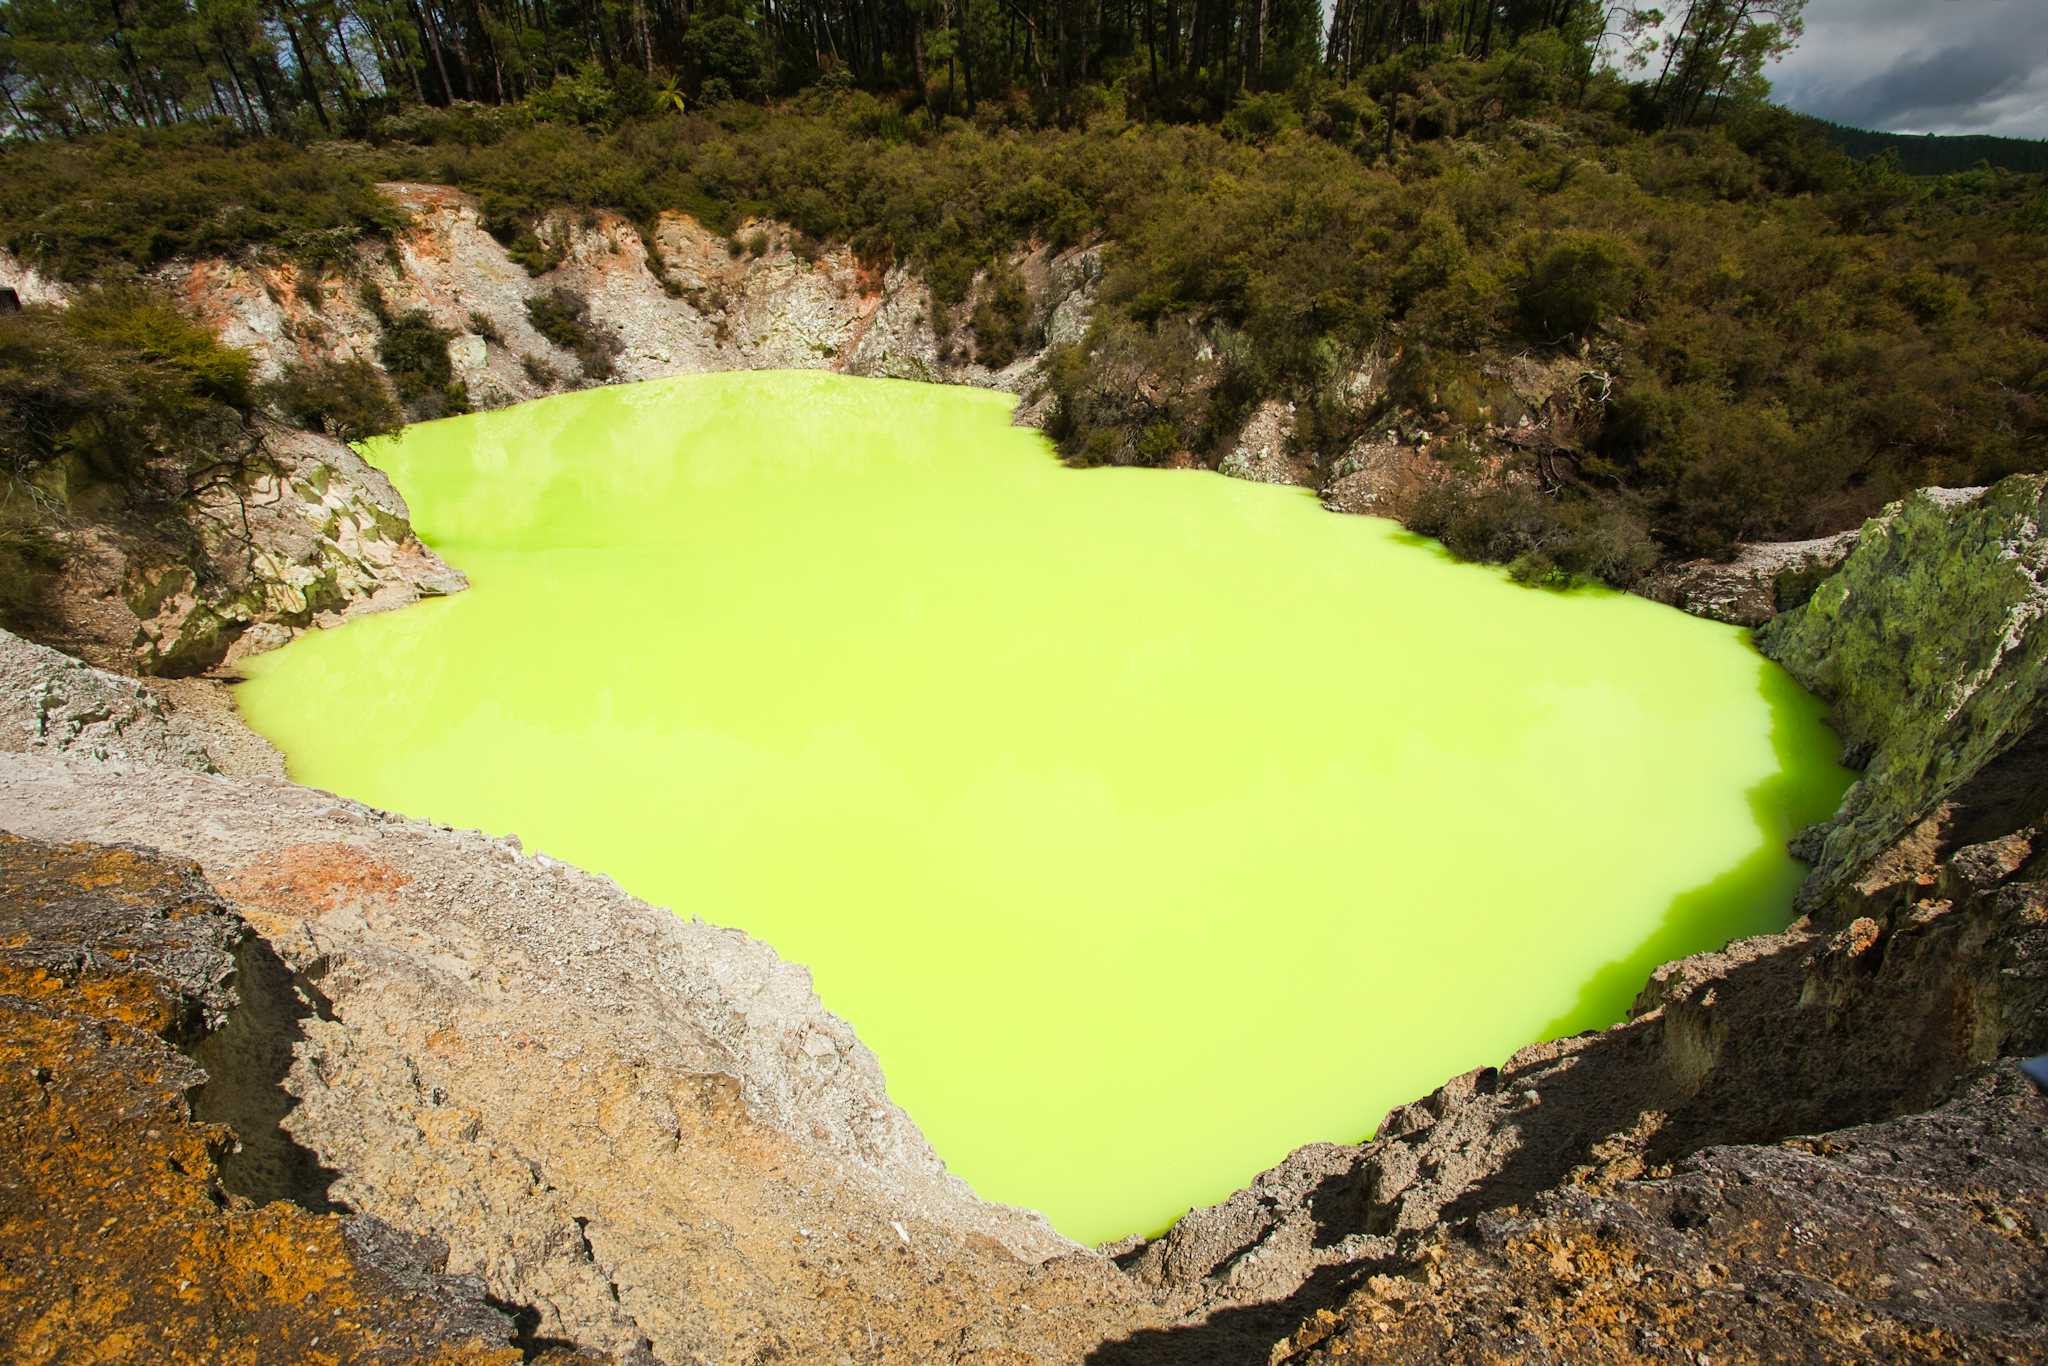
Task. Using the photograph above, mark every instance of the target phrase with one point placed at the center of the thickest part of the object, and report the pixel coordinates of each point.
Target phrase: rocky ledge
(499, 1107)
(294, 532)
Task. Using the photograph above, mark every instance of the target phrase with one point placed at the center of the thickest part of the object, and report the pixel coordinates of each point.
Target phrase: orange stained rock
(303, 879)
(120, 1241)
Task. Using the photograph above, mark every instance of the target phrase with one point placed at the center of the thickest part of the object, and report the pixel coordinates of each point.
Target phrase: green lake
(1146, 825)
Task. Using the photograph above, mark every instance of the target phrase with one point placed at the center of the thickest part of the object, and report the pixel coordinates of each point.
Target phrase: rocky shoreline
(481, 1106)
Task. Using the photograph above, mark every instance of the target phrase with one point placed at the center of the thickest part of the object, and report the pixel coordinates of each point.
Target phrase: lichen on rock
(125, 1239)
(1930, 645)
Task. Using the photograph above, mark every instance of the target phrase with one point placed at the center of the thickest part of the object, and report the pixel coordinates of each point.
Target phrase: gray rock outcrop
(52, 702)
(1749, 589)
(299, 532)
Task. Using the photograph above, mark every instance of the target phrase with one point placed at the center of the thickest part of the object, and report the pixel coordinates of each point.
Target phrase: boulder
(1930, 644)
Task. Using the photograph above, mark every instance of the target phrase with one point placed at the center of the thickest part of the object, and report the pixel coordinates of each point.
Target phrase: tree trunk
(431, 40)
(306, 86)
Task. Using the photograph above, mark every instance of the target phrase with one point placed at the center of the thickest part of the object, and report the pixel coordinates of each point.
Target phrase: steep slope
(1932, 645)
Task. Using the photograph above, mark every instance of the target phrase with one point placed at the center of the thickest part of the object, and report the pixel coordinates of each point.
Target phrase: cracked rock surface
(127, 1237)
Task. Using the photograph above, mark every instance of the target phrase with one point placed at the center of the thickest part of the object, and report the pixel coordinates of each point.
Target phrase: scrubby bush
(29, 554)
(584, 96)
(121, 385)
(372, 295)
(345, 399)
(1261, 118)
(1553, 539)
(119, 395)
(414, 352)
(83, 208)
(1348, 117)
(1002, 318)
(563, 317)
(1576, 285)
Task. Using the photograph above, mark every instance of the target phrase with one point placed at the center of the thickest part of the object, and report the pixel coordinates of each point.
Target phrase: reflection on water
(1145, 825)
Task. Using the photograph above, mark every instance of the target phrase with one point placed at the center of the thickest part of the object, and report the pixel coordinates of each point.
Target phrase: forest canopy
(276, 66)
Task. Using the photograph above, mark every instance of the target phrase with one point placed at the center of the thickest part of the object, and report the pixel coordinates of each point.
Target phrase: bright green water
(1145, 825)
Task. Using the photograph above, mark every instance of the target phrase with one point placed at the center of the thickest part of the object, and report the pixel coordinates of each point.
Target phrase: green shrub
(1348, 117)
(1159, 443)
(1002, 318)
(30, 555)
(563, 317)
(1576, 285)
(345, 399)
(142, 323)
(119, 395)
(120, 385)
(1261, 118)
(1549, 539)
(82, 208)
(1930, 296)
(414, 352)
(372, 295)
(584, 96)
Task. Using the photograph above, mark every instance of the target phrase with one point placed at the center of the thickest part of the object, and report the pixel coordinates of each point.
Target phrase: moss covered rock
(1931, 647)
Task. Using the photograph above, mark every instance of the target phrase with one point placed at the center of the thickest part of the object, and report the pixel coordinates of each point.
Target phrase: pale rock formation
(640, 1131)
(683, 303)
(1744, 591)
(1261, 452)
(300, 532)
(50, 701)
(30, 285)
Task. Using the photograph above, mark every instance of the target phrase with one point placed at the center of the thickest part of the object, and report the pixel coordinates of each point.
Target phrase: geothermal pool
(1145, 825)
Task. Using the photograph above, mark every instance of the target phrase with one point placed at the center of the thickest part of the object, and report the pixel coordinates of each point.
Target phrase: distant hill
(1932, 154)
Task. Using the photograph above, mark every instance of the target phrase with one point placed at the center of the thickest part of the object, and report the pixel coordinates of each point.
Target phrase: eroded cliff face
(296, 531)
(685, 301)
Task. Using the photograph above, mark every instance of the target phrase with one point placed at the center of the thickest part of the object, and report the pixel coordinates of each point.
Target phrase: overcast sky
(1922, 66)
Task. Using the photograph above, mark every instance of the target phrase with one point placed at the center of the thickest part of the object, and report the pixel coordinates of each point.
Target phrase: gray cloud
(1952, 66)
